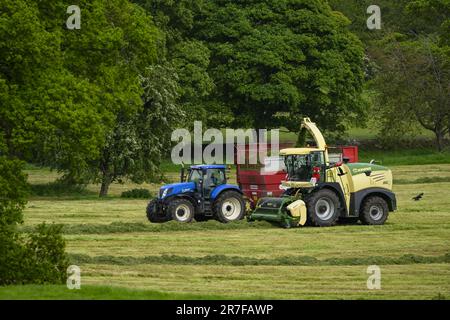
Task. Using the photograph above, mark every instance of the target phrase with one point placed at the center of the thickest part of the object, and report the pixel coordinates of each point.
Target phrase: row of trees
(99, 103)
(410, 64)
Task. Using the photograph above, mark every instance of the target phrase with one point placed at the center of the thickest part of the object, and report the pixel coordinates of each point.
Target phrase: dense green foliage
(413, 88)
(409, 62)
(13, 192)
(63, 88)
(137, 143)
(137, 194)
(188, 56)
(274, 62)
(38, 258)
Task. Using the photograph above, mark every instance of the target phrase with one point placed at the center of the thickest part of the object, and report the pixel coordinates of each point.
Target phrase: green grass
(127, 227)
(122, 255)
(225, 260)
(57, 189)
(61, 292)
(423, 180)
(406, 157)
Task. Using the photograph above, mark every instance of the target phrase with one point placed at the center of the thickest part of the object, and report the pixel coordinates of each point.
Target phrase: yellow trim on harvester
(298, 151)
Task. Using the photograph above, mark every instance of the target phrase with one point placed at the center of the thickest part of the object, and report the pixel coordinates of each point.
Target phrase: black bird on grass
(418, 197)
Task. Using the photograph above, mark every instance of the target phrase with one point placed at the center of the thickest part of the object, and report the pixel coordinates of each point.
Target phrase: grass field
(122, 255)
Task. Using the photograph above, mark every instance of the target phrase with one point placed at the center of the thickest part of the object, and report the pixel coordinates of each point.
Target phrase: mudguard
(215, 193)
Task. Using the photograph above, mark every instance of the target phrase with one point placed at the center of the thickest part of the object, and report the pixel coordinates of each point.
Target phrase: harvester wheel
(153, 215)
(374, 211)
(323, 208)
(229, 206)
(181, 210)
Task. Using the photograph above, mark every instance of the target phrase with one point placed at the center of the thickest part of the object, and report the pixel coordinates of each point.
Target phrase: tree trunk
(301, 139)
(106, 182)
(439, 139)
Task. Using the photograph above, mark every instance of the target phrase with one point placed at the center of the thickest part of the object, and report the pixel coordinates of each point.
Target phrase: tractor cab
(305, 167)
(206, 178)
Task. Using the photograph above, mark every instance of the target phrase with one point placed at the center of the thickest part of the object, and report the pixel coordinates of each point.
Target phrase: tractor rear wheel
(374, 211)
(229, 206)
(153, 214)
(323, 208)
(181, 210)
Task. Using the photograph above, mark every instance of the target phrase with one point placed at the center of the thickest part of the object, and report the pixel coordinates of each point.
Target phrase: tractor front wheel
(153, 215)
(181, 210)
(374, 211)
(323, 208)
(229, 206)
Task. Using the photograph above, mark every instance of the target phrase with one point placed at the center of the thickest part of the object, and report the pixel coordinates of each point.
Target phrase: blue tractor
(204, 195)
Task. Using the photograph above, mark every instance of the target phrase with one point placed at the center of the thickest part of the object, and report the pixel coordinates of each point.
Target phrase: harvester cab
(204, 194)
(319, 192)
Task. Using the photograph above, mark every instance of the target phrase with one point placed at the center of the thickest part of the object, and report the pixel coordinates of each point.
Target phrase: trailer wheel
(181, 210)
(229, 206)
(323, 208)
(153, 214)
(374, 211)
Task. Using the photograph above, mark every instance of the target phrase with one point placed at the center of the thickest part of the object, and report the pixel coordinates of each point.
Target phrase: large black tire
(374, 211)
(229, 206)
(153, 215)
(323, 208)
(181, 210)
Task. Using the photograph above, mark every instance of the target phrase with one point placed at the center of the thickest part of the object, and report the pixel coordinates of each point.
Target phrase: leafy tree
(188, 56)
(409, 60)
(274, 62)
(13, 192)
(409, 17)
(413, 86)
(138, 142)
(61, 90)
(37, 258)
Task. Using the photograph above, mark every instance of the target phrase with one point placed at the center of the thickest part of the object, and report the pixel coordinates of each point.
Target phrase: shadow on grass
(59, 189)
(406, 259)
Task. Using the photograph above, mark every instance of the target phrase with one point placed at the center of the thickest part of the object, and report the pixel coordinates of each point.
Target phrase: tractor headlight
(166, 192)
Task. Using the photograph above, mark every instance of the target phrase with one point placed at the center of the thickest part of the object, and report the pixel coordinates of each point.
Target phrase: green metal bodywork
(274, 210)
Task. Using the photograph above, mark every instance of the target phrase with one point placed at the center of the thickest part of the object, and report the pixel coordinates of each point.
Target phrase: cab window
(195, 176)
(215, 177)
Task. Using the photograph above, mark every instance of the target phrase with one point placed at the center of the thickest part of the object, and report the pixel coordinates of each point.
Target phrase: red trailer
(257, 180)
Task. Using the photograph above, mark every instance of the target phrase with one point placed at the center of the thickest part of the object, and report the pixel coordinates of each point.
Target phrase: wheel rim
(183, 212)
(231, 208)
(324, 208)
(376, 213)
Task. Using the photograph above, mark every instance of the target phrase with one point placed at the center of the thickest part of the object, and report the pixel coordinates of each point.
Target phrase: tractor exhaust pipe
(182, 174)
